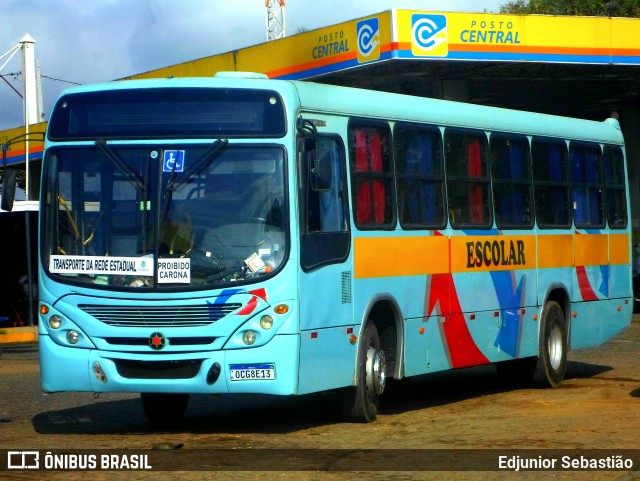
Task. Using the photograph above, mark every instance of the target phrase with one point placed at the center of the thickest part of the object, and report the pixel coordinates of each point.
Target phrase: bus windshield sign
(169, 113)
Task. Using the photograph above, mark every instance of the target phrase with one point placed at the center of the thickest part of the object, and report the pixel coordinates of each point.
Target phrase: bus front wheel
(552, 349)
(164, 409)
(360, 402)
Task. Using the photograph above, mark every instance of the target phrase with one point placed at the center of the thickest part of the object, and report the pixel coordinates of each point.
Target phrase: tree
(595, 8)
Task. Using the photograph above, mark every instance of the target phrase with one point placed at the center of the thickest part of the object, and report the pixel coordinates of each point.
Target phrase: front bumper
(74, 369)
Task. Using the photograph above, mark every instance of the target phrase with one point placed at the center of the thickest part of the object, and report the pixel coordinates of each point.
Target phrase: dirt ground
(596, 407)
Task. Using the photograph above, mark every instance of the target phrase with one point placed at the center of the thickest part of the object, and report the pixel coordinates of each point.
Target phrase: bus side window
(372, 177)
(467, 179)
(324, 232)
(326, 209)
(511, 177)
(586, 185)
(362, 207)
(474, 153)
(551, 182)
(614, 179)
(418, 154)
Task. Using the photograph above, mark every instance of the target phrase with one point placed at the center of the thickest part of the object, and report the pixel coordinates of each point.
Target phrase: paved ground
(596, 407)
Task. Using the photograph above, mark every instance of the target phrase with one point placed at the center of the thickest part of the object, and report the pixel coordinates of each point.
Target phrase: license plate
(252, 372)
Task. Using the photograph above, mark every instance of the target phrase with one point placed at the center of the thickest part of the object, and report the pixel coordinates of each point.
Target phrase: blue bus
(237, 234)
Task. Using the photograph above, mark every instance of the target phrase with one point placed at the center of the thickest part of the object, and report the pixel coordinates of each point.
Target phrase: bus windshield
(156, 217)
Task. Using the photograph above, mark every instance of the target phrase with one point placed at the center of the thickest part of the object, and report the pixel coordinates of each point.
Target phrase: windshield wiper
(133, 177)
(198, 165)
(219, 275)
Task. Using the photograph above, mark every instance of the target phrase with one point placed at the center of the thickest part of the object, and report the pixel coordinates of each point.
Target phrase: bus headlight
(249, 337)
(259, 329)
(73, 337)
(266, 322)
(55, 322)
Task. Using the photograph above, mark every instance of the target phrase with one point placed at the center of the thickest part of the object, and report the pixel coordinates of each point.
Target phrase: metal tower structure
(275, 19)
(32, 96)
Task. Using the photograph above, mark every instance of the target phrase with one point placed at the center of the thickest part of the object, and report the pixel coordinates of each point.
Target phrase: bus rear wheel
(360, 402)
(552, 348)
(164, 409)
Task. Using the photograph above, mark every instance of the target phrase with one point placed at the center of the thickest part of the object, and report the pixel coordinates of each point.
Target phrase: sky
(103, 40)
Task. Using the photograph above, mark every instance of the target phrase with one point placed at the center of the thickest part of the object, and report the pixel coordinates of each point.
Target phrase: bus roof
(322, 98)
(383, 105)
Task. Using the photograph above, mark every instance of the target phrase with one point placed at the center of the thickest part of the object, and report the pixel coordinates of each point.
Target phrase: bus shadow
(582, 370)
(206, 414)
(449, 387)
(264, 414)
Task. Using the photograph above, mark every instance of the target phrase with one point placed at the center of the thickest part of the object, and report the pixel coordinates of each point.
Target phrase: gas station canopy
(578, 66)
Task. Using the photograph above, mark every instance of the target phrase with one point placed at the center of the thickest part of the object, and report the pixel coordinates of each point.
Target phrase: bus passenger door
(326, 354)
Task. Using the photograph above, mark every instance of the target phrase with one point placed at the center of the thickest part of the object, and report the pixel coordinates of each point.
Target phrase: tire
(551, 364)
(360, 402)
(164, 409)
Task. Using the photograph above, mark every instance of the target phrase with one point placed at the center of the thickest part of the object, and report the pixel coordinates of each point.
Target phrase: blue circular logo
(368, 32)
(366, 41)
(427, 33)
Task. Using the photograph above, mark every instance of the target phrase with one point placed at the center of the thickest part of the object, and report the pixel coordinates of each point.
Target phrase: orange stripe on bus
(591, 249)
(410, 256)
(555, 250)
(400, 256)
(619, 249)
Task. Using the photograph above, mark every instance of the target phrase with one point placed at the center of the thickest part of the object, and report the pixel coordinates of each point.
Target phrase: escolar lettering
(496, 253)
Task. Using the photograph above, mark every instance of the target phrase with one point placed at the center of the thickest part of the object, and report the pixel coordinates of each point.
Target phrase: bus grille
(160, 316)
(158, 369)
(174, 341)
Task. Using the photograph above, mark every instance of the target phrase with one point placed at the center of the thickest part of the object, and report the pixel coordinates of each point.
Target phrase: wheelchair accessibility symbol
(173, 161)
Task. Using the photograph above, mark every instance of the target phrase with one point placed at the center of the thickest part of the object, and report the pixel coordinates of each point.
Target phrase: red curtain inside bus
(370, 194)
(474, 157)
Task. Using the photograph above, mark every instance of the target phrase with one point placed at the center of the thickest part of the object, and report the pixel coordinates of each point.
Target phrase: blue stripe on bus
(510, 301)
(603, 288)
(225, 295)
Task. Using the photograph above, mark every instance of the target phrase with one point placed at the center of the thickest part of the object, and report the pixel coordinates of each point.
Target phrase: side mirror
(8, 189)
(320, 170)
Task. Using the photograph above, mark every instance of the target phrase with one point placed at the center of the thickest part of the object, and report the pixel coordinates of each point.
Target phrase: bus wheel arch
(376, 361)
(385, 315)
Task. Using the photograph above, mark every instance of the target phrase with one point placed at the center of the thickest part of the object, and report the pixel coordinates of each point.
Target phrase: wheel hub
(555, 347)
(376, 370)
